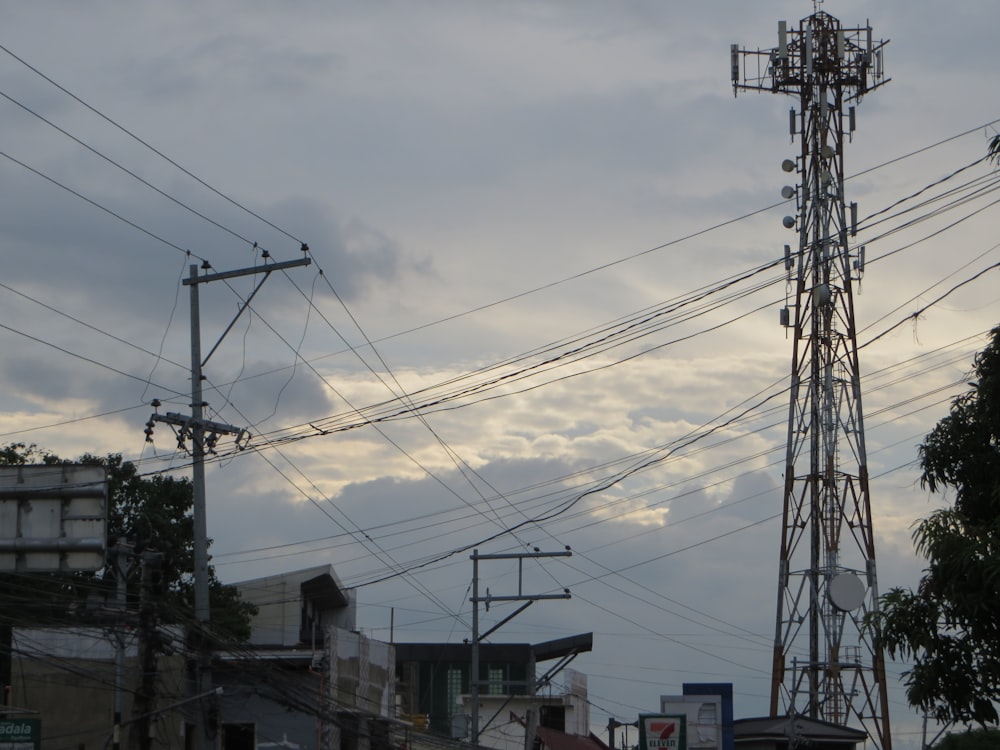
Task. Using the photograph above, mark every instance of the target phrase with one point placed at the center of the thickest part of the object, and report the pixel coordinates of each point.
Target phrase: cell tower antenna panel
(825, 664)
(819, 48)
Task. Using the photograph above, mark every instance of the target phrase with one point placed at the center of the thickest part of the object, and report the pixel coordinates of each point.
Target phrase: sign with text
(20, 734)
(662, 732)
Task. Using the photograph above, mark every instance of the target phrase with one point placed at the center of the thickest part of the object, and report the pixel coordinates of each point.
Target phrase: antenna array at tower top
(819, 48)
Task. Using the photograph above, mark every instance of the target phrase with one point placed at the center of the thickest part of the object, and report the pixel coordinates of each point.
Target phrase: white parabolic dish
(846, 592)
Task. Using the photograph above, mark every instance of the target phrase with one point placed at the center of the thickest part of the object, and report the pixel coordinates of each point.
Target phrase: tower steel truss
(825, 664)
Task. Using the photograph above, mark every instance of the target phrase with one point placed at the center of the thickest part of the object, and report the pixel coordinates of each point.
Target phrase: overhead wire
(83, 358)
(642, 563)
(894, 366)
(147, 145)
(249, 661)
(397, 382)
(126, 170)
(320, 425)
(94, 203)
(914, 316)
(602, 267)
(400, 393)
(358, 534)
(433, 519)
(583, 349)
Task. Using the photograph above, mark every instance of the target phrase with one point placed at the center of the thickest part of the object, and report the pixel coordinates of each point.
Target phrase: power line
(144, 143)
(647, 251)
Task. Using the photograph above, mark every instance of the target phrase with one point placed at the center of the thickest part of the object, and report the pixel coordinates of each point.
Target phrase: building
(707, 708)
(552, 739)
(304, 680)
(72, 680)
(787, 732)
(556, 719)
(433, 683)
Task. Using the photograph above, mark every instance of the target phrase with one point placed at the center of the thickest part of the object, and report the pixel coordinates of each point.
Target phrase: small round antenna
(847, 592)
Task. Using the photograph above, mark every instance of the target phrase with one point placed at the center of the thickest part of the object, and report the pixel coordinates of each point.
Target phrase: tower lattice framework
(825, 664)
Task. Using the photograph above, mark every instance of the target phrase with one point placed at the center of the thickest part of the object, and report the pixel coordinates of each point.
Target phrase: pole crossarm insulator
(266, 268)
(520, 597)
(184, 421)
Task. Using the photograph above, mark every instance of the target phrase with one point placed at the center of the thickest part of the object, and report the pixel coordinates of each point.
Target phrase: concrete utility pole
(477, 637)
(204, 434)
(826, 577)
(122, 552)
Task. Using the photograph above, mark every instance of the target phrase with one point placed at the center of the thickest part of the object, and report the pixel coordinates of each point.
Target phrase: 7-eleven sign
(660, 732)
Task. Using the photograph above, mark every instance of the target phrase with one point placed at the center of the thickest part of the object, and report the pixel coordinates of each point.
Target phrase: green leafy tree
(977, 739)
(950, 626)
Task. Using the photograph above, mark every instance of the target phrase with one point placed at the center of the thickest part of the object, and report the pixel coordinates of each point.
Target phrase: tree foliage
(151, 514)
(977, 739)
(950, 626)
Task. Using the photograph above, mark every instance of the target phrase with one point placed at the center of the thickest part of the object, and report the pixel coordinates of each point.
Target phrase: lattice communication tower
(825, 664)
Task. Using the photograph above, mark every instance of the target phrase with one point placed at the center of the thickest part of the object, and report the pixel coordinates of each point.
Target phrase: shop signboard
(662, 732)
(20, 734)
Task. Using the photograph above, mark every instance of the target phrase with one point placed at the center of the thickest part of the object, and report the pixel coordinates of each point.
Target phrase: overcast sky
(485, 188)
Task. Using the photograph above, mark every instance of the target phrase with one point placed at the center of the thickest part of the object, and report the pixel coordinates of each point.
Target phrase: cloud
(471, 180)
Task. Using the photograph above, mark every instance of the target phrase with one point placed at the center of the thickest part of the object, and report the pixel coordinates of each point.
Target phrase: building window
(455, 689)
(495, 681)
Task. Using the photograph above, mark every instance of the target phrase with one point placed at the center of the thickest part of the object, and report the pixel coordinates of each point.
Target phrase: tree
(950, 626)
(977, 739)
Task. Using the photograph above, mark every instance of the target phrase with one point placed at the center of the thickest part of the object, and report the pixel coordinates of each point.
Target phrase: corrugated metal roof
(553, 739)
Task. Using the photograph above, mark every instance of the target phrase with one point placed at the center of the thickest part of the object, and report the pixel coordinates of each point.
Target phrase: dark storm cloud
(354, 255)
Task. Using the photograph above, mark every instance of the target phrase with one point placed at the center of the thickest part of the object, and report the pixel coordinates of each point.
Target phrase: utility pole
(122, 551)
(477, 637)
(614, 724)
(826, 576)
(204, 434)
(148, 642)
